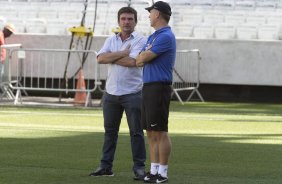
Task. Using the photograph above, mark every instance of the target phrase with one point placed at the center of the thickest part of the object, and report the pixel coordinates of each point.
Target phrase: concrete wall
(223, 61)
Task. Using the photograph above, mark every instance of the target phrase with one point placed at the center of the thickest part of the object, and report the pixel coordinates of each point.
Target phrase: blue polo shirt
(163, 44)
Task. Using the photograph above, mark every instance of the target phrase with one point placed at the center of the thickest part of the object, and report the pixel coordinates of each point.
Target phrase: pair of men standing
(146, 103)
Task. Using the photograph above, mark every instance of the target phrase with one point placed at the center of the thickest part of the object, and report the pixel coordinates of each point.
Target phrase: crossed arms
(120, 58)
(145, 57)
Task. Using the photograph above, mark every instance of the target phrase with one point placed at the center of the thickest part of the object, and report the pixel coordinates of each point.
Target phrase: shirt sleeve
(161, 44)
(106, 47)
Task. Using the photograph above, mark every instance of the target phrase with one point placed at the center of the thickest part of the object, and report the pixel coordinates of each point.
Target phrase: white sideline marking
(50, 113)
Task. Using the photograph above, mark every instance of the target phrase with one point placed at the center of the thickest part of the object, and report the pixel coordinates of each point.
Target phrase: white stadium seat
(56, 27)
(183, 30)
(204, 31)
(244, 5)
(213, 18)
(246, 32)
(256, 19)
(274, 19)
(235, 18)
(35, 26)
(224, 31)
(268, 32)
(223, 5)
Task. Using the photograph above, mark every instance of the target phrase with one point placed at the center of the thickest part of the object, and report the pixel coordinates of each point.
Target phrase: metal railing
(52, 70)
(186, 74)
(5, 73)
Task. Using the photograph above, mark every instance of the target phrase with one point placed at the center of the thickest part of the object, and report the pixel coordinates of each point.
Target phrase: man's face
(7, 33)
(127, 22)
(153, 16)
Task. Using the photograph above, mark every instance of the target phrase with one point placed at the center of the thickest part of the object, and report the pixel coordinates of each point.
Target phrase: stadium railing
(50, 70)
(5, 78)
(186, 75)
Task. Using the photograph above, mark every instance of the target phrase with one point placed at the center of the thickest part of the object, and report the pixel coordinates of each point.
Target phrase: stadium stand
(205, 31)
(190, 18)
(224, 31)
(35, 26)
(2, 22)
(246, 32)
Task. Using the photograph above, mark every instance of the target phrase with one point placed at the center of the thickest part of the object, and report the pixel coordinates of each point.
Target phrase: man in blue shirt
(157, 58)
(123, 93)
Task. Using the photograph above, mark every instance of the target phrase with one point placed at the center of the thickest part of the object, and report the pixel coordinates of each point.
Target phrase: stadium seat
(99, 29)
(143, 28)
(266, 6)
(213, 18)
(235, 18)
(27, 14)
(256, 19)
(56, 27)
(274, 19)
(192, 17)
(246, 32)
(35, 26)
(68, 15)
(223, 5)
(48, 14)
(204, 31)
(224, 31)
(183, 30)
(203, 5)
(268, 32)
(244, 5)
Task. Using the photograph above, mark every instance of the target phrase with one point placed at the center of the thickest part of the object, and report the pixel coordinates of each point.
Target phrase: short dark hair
(165, 16)
(127, 10)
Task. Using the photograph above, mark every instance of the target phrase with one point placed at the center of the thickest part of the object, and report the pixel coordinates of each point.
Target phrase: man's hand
(126, 51)
(139, 62)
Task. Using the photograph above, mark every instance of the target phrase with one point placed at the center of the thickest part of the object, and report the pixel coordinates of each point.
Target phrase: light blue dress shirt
(124, 80)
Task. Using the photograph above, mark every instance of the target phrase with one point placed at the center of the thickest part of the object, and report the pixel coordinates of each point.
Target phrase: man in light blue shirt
(123, 93)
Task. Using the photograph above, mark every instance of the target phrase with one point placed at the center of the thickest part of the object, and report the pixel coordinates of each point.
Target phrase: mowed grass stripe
(213, 143)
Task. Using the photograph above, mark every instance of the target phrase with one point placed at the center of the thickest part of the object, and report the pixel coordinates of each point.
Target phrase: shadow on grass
(228, 108)
(195, 159)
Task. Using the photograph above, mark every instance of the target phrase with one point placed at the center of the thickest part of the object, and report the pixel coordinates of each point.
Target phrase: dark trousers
(113, 108)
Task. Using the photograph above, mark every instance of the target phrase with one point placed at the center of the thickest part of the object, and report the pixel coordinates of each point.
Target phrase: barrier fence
(5, 71)
(52, 70)
(56, 70)
(186, 74)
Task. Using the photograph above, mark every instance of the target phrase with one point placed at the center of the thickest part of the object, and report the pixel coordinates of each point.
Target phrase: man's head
(8, 30)
(127, 19)
(163, 8)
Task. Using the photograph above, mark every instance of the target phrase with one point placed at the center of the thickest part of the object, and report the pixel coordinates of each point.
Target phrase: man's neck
(160, 25)
(124, 35)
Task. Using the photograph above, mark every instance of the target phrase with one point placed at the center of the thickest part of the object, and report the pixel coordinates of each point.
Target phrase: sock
(163, 170)
(154, 168)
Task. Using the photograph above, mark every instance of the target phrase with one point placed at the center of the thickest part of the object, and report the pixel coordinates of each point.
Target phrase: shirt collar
(162, 29)
(132, 35)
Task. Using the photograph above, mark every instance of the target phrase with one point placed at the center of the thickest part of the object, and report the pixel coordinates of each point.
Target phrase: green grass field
(213, 143)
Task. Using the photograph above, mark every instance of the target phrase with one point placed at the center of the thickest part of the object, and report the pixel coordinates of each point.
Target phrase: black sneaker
(150, 178)
(139, 175)
(102, 172)
(161, 179)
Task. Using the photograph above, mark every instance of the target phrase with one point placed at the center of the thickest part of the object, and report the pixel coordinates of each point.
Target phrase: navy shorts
(155, 106)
